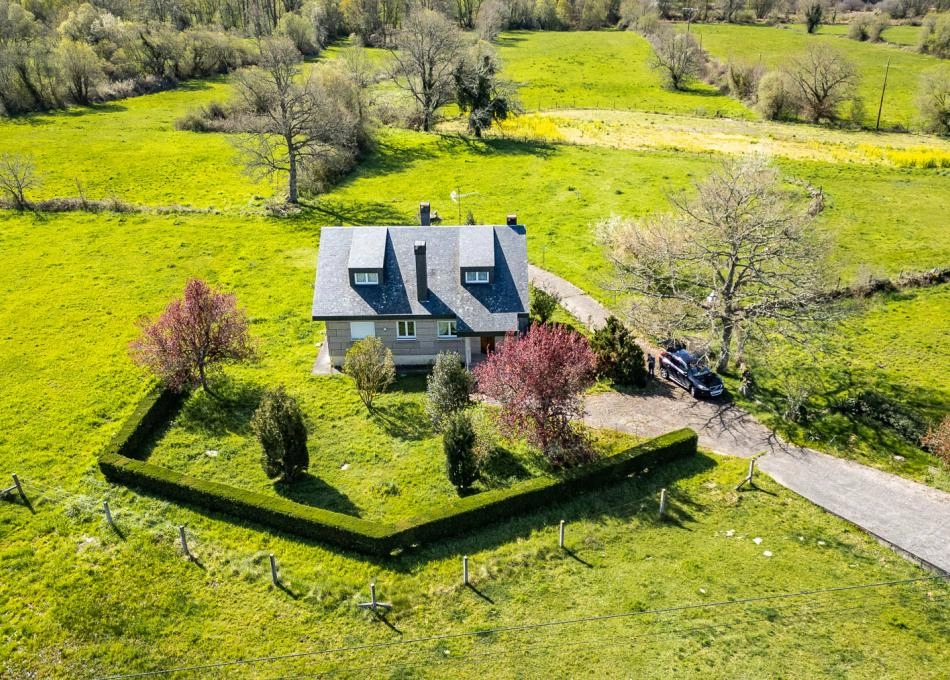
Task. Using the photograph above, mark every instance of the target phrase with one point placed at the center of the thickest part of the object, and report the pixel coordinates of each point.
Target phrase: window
(447, 329)
(480, 276)
(366, 278)
(406, 330)
(362, 329)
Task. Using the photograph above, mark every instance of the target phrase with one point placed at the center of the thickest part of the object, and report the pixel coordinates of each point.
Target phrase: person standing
(651, 364)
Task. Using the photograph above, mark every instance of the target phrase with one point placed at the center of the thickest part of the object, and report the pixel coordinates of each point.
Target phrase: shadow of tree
(230, 412)
(501, 468)
(403, 420)
(313, 491)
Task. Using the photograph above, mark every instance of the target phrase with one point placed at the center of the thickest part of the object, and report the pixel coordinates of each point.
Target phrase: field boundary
(120, 463)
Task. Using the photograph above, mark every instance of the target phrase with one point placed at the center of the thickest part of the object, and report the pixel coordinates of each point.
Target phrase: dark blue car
(688, 371)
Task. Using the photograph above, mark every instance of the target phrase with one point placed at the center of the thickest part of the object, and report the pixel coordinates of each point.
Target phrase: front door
(488, 343)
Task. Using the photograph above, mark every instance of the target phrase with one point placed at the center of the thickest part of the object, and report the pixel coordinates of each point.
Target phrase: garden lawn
(773, 46)
(600, 70)
(384, 466)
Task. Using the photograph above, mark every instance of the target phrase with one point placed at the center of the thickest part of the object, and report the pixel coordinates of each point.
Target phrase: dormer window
(477, 276)
(366, 278)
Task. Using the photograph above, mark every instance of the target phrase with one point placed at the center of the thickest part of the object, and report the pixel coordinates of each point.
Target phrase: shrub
(937, 440)
(813, 16)
(543, 304)
(370, 363)
(777, 98)
(538, 379)
(458, 441)
(878, 408)
(933, 100)
(279, 427)
(935, 36)
(619, 357)
(743, 80)
(448, 388)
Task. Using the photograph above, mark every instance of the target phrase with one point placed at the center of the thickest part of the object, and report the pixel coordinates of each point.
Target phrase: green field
(80, 600)
(600, 70)
(771, 46)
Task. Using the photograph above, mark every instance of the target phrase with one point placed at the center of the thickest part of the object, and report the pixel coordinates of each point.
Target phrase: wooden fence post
(465, 570)
(560, 535)
(108, 513)
(662, 503)
(184, 541)
(273, 570)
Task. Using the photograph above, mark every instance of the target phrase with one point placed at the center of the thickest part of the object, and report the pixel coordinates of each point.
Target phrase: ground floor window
(406, 330)
(447, 329)
(362, 329)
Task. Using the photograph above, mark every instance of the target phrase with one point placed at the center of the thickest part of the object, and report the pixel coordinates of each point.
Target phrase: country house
(422, 290)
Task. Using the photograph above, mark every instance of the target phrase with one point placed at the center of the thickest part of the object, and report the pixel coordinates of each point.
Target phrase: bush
(933, 100)
(935, 36)
(351, 532)
(813, 16)
(448, 388)
(370, 363)
(937, 440)
(878, 408)
(543, 304)
(867, 27)
(743, 80)
(777, 98)
(459, 445)
(279, 427)
(619, 357)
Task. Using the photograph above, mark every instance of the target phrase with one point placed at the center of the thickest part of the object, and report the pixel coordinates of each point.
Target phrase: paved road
(911, 517)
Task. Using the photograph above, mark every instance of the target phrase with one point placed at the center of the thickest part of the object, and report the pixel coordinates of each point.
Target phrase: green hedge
(118, 464)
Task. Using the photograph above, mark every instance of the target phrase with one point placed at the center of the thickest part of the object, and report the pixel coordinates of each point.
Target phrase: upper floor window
(366, 278)
(447, 329)
(406, 330)
(478, 276)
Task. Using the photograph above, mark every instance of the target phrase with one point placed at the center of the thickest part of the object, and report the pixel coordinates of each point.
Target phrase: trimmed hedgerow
(153, 410)
(118, 464)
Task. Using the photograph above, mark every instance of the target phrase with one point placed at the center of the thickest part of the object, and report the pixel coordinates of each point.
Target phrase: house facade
(422, 290)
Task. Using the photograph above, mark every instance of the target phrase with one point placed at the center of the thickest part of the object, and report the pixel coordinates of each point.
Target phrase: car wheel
(692, 391)
(664, 374)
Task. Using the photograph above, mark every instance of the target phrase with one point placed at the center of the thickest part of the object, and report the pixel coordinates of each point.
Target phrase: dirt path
(911, 517)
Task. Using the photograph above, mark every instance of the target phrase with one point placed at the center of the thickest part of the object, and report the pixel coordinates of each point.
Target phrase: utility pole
(880, 106)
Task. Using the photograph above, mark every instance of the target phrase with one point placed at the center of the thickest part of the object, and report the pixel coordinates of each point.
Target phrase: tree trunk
(292, 179)
(723, 361)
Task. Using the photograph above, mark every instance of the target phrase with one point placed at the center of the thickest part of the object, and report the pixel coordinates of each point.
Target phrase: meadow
(80, 599)
(771, 46)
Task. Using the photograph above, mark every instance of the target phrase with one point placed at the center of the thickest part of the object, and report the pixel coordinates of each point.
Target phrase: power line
(531, 626)
(605, 642)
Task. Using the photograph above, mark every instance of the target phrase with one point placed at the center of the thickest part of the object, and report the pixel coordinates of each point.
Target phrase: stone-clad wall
(422, 350)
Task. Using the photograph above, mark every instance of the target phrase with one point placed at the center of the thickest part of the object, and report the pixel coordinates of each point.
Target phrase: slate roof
(479, 308)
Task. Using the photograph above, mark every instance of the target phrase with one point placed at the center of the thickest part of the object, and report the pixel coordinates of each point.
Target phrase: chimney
(424, 216)
(422, 279)
(512, 220)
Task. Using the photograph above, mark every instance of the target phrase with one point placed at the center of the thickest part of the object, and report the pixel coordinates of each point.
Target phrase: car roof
(684, 355)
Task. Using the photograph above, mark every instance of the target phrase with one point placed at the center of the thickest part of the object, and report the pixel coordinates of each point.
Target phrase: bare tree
(933, 99)
(739, 258)
(677, 55)
(294, 124)
(17, 174)
(824, 79)
(429, 47)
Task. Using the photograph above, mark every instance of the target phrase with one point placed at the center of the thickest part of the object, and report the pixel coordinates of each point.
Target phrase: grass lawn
(80, 600)
(772, 46)
(384, 466)
(600, 70)
(893, 344)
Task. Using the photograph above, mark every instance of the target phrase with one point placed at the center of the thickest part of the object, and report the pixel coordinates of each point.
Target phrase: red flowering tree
(193, 335)
(539, 378)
